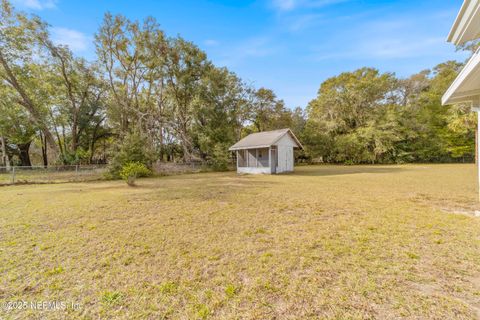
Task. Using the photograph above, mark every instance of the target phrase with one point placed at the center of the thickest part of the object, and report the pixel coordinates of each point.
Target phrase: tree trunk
(44, 150)
(75, 130)
(24, 155)
(187, 157)
(186, 153)
(57, 134)
(5, 158)
(94, 140)
(74, 144)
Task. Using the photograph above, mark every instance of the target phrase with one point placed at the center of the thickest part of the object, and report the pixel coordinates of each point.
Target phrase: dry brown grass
(325, 242)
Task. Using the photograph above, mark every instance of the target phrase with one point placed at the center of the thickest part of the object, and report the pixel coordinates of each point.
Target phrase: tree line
(370, 117)
(149, 97)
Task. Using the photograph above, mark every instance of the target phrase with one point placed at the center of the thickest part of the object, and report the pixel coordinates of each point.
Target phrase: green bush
(77, 157)
(220, 158)
(132, 149)
(133, 170)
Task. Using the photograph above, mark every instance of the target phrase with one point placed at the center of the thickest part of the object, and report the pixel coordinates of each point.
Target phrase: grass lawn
(324, 242)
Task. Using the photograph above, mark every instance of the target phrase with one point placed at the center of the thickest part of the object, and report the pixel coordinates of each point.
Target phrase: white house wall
(285, 153)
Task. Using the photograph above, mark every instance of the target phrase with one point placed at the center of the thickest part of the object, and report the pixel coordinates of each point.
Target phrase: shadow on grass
(319, 171)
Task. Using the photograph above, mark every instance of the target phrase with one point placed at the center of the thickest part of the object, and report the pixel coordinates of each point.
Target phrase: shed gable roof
(263, 139)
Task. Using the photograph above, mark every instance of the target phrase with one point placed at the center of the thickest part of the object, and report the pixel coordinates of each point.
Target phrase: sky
(289, 46)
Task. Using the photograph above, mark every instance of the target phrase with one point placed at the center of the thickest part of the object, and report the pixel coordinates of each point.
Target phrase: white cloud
(403, 37)
(256, 47)
(211, 42)
(298, 15)
(387, 39)
(289, 5)
(391, 48)
(75, 40)
(285, 5)
(301, 22)
(37, 4)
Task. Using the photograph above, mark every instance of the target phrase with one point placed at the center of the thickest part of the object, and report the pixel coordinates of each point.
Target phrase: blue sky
(290, 46)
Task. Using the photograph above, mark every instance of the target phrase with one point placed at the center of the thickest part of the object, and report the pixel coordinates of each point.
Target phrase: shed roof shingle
(263, 139)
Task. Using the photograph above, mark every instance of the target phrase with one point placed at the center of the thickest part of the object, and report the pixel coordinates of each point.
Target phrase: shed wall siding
(285, 159)
(286, 140)
(285, 154)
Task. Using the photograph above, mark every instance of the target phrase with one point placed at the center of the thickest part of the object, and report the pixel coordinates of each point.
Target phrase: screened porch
(257, 159)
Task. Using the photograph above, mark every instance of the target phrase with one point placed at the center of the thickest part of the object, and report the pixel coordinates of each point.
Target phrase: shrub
(133, 170)
(220, 158)
(77, 157)
(132, 149)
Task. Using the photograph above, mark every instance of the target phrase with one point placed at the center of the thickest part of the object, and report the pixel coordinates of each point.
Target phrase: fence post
(13, 174)
(76, 169)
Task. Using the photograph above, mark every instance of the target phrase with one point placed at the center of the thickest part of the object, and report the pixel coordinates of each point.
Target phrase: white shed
(266, 152)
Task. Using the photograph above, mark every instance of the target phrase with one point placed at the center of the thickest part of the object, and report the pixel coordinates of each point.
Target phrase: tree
(131, 149)
(268, 112)
(347, 114)
(186, 64)
(216, 115)
(132, 55)
(426, 118)
(16, 129)
(19, 47)
(5, 159)
(82, 96)
(461, 122)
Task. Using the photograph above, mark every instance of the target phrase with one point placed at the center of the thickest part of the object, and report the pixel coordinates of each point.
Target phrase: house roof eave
(467, 23)
(464, 88)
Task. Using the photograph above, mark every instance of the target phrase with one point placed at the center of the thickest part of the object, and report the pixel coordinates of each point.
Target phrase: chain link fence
(173, 168)
(51, 174)
(79, 173)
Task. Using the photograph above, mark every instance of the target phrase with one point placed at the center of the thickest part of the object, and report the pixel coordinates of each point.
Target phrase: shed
(266, 152)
